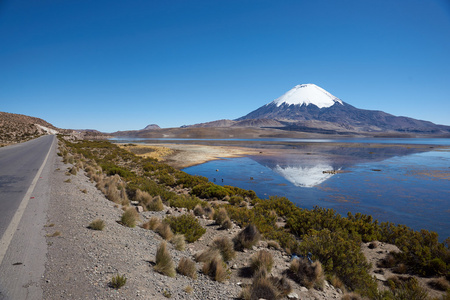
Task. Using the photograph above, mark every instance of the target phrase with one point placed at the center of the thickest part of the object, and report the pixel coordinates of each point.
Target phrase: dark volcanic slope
(344, 116)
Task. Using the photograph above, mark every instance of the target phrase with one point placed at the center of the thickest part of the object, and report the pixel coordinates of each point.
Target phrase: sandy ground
(186, 155)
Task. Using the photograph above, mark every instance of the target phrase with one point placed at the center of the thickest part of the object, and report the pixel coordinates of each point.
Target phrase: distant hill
(16, 128)
(151, 127)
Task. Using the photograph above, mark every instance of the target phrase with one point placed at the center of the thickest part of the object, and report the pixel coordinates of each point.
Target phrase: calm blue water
(410, 141)
(404, 188)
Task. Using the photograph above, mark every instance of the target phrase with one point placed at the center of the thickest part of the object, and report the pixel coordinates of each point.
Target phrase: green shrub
(189, 202)
(130, 217)
(340, 254)
(97, 224)
(118, 281)
(210, 190)
(407, 289)
(187, 267)
(186, 224)
(164, 263)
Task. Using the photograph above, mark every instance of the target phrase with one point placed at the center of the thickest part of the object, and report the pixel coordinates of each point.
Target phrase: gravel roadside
(81, 261)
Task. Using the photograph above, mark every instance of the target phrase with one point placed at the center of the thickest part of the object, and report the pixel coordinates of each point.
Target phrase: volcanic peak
(305, 94)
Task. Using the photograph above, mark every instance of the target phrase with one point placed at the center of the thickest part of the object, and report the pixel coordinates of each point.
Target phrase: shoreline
(192, 153)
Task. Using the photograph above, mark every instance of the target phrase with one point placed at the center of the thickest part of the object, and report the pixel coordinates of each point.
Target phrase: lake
(400, 184)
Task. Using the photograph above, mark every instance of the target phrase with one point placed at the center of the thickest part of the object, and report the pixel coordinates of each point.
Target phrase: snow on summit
(305, 94)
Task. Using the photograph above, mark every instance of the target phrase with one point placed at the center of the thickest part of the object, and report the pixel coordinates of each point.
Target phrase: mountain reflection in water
(400, 184)
(305, 176)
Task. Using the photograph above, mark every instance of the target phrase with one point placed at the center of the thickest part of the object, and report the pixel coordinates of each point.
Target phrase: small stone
(134, 202)
(234, 266)
(139, 209)
(292, 296)
(303, 289)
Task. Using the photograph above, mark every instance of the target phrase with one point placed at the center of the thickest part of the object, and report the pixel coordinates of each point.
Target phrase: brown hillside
(16, 128)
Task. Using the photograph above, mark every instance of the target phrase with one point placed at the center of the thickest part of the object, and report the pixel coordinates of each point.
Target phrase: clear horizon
(114, 65)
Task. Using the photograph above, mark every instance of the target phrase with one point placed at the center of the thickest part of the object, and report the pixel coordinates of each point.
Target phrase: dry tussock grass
(152, 224)
(164, 263)
(186, 267)
(306, 273)
(247, 238)
(164, 231)
(215, 268)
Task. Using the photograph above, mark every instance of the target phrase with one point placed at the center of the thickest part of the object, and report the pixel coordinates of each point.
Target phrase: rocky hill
(15, 128)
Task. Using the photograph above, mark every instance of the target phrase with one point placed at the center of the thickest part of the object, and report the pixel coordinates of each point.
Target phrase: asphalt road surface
(24, 192)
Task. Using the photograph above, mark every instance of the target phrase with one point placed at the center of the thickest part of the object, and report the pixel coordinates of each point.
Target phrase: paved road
(23, 200)
(18, 167)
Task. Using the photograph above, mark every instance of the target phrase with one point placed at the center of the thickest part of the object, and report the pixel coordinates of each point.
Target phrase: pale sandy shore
(186, 155)
(183, 155)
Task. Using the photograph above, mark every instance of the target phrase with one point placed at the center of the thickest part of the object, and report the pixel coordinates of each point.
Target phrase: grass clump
(179, 242)
(227, 224)
(206, 255)
(164, 231)
(189, 289)
(143, 197)
(198, 210)
(247, 238)
(220, 215)
(186, 267)
(152, 224)
(164, 263)
(225, 247)
(118, 281)
(97, 224)
(439, 284)
(216, 269)
(129, 217)
(351, 296)
(261, 288)
(186, 224)
(306, 273)
(406, 288)
(261, 260)
(273, 244)
(54, 234)
(155, 204)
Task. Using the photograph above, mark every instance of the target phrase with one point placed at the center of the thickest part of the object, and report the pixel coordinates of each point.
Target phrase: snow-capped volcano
(306, 94)
(309, 108)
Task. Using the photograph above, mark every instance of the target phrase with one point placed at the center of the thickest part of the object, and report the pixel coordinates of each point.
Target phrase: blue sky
(120, 65)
